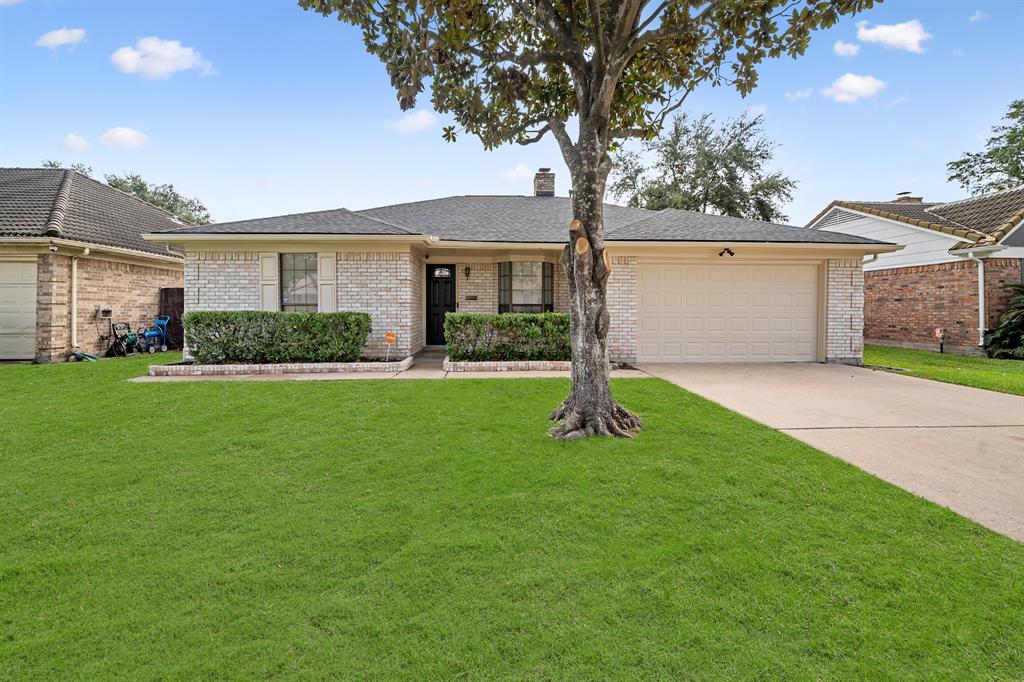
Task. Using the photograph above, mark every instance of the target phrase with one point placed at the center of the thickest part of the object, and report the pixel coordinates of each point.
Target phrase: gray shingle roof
(31, 199)
(675, 225)
(523, 219)
(497, 218)
(335, 221)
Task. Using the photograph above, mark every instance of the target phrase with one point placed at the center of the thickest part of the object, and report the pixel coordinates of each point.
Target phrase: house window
(526, 287)
(298, 282)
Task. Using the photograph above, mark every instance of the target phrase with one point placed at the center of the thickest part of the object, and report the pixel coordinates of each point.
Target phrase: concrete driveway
(960, 447)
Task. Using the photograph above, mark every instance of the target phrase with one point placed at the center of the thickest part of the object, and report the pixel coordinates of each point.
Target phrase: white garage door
(728, 313)
(17, 310)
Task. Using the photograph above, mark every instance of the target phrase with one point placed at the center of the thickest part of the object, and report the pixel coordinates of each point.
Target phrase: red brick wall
(907, 304)
(131, 290)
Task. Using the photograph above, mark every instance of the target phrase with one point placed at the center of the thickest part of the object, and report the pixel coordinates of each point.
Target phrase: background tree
(190, 210)
(1001, 165)
(589, 73)
(698, 165)
(79, 167)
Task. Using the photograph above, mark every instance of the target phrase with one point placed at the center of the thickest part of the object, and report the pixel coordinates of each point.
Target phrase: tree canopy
(189, 209)
(77, 167)
(698, 165)
(591, 74)
(1001, 165)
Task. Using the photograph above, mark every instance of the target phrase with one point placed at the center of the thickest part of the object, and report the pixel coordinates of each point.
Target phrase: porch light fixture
(726, 250)
(466, 271)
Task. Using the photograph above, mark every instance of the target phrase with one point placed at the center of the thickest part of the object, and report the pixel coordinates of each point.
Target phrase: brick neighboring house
(684, 287)
(952, 273)
(68, 245)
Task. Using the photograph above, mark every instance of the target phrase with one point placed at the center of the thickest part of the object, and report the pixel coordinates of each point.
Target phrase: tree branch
(557, 127)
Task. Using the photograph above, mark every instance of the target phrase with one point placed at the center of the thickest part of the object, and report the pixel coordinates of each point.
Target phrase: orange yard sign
(390, 338)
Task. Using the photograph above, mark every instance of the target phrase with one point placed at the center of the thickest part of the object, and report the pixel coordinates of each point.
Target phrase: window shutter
(327, 282)
(270, 285)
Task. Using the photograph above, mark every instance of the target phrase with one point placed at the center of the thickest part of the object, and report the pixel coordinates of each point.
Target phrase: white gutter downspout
(74, 298)
(871, 259)
(981, 297)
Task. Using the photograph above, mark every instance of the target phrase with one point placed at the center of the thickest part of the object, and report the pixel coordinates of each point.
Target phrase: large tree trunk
(590, 409)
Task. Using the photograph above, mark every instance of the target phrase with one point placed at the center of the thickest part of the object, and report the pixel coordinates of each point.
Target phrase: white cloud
(758, 110)
(957, 52)
(124, 137)
(902, 99)
(415, 121)
(906, 36)
(846, 49)
(978, 16)
(60, 37)
(850, 87)
(75, 143)
(9, 3)
(800, 94)
(154, 57)
(518, 174)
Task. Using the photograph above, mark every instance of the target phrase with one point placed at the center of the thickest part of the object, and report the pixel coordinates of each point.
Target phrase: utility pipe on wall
(74, 298)
(981, 297)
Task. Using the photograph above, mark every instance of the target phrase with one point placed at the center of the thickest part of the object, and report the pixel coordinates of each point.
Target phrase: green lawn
(430, 530)
(1006, 376)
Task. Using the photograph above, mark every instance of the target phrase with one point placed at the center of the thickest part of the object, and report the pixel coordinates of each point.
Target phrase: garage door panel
(17, 310)
(727, 313)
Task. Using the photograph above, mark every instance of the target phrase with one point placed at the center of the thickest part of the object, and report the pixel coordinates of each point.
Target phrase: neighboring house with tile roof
(684, 287)
(952, 273)
(69, 245)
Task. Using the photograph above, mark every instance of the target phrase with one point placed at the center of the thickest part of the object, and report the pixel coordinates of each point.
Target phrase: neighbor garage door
(727, 313)
(17, 310)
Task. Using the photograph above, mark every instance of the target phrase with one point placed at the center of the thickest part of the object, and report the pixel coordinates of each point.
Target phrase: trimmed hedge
(509, 336)
(216, 337)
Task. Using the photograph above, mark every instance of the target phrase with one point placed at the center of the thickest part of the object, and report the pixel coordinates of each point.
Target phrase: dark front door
(440, 300)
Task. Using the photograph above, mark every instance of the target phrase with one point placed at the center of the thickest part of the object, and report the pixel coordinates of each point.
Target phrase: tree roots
(574, 423)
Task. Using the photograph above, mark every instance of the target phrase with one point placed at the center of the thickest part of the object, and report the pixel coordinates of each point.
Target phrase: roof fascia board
(93, 247)
(184, 237)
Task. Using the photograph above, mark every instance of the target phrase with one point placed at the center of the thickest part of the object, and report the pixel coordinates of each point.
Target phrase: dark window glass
(298, 282)
(525, 287)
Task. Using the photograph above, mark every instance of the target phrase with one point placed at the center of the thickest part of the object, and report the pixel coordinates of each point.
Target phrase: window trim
(313, 258)
(505, 304)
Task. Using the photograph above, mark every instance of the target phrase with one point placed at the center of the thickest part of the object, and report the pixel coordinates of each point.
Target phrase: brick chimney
(905, 198)
(544, 183)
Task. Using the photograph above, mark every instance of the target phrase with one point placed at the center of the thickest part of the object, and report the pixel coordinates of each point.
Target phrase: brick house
(951, 274)
(684, 287)
(69, 245)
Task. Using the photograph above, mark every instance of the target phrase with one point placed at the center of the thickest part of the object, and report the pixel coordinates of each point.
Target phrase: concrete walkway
(960, 447)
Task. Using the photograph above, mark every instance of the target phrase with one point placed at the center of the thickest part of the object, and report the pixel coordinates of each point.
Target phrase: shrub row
(509, 336)
(256, 337)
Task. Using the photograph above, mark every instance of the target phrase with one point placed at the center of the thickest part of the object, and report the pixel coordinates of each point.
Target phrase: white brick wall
(419, 306)
(622, 304)
(226, 280)
(844, 311)
(382, 284)
(481, 283)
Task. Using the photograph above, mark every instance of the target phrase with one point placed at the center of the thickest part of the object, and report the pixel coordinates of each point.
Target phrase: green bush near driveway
(509, 336)
(217, 337)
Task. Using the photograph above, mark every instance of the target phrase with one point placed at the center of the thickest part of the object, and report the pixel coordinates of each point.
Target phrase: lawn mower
(154, 337)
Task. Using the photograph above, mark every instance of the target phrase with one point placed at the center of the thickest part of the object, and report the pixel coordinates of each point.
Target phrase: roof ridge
(61, 202)
(980, 197)
(382, 222)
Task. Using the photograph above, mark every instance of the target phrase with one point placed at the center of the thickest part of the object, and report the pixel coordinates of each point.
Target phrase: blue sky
(259, 108)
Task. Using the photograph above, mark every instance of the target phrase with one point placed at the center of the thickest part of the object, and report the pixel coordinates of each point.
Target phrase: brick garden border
(281, 368)
(507, 366)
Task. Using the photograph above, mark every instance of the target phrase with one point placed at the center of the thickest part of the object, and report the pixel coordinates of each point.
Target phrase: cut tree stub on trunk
(590, 409)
